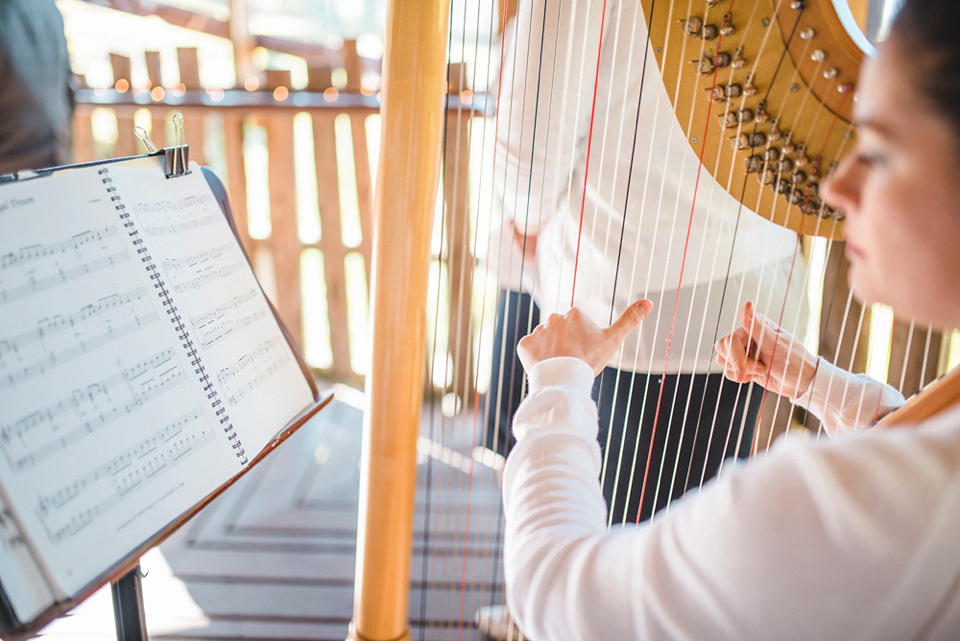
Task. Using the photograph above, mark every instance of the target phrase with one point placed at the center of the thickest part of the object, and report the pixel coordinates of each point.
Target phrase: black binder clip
(176, 159)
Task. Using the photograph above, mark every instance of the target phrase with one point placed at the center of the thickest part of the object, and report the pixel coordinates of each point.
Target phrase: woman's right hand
(762, 352)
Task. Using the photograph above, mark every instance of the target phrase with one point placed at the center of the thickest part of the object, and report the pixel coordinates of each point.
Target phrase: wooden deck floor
(273, 558)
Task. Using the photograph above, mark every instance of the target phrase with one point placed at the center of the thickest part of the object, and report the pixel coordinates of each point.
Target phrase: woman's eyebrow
(875, 126)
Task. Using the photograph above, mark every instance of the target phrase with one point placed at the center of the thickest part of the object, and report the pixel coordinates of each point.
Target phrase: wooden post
(126, 138)
(456, 166)
(413, 120)
(331, 238)
(361, 158)
(236, 175)
(284, 238)
(194, 130)
(158, 122)
(243, 41)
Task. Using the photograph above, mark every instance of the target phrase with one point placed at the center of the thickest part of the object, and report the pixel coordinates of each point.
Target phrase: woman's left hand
(573, 334)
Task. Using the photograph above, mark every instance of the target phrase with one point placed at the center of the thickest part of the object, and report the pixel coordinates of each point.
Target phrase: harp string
(759, 288)
(728, 188)
(638, 15)
(683, 261)
(513, 372)
(819, 158)
(650, 368)
(493, 523)
(494, 511)
(459, 348)
(646, 290)
(586, 171)
(429, 597)
(799, 212)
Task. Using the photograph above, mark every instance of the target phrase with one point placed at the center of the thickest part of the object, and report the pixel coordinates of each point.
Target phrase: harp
(762, 92)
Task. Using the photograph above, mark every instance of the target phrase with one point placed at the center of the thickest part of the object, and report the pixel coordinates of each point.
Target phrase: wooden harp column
(413, 119)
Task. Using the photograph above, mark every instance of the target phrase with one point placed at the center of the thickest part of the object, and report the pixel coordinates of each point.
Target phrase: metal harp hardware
(800, 65)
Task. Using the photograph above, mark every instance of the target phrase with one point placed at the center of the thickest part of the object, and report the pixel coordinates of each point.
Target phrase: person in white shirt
(639, 196)
(848, 537)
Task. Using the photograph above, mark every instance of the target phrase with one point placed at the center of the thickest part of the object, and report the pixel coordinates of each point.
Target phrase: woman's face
(900, 189)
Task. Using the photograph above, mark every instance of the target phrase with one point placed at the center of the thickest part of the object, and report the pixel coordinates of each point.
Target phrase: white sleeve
(846, 402)
(784, 547)
(545, 95)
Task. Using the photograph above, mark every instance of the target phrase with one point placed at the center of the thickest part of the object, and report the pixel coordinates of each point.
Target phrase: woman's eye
(869, 158)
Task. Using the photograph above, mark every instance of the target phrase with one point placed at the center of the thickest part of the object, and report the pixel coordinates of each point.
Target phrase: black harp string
(426, 548)
(668, 419)
(802, 210)
(613, 296)
(512, 373)
(740, 388)
(736, 225)
(494, 511)
(795, 257)
(650, 369)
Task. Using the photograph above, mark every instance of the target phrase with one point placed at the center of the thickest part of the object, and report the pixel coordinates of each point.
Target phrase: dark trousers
(700, 423)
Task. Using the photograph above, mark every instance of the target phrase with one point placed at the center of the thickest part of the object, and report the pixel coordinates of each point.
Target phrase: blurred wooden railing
(218, 126)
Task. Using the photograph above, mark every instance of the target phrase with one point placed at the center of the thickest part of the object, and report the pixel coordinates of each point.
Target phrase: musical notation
(32, 438)
(176, 216)
(193, 272)
(11, 537)
(61, 338)
(38, 267)
(252, 369)
(69, 509)
(216, 324)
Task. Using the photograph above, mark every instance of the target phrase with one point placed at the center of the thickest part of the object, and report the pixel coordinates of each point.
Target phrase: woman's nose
(842, 189)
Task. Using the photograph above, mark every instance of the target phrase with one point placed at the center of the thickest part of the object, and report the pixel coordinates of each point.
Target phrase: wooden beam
(243, 41)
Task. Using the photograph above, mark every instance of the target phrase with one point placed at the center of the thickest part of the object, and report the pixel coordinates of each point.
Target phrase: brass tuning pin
(704, 65)
(775, 133)
(762, 115)
(717, 93)
(692, 25)
(746, 141)
(738, 60)
(754, 164)
(727, 28)
(741, 142)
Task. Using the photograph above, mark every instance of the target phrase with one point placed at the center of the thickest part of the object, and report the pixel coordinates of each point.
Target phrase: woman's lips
(852, 250)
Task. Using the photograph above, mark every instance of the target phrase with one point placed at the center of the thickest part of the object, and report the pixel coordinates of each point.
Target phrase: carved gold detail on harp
(777, 77)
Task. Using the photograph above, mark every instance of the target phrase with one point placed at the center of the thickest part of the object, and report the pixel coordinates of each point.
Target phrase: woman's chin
(863, 291)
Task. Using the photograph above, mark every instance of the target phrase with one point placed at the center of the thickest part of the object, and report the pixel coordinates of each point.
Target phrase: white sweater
(642, 199)
(856, 537)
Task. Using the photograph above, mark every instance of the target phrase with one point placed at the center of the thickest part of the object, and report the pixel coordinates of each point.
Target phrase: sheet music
(106, 431)
(21, 579)
(227, 317)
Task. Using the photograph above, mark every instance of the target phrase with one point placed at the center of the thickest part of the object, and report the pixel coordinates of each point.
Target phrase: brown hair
(929, 32)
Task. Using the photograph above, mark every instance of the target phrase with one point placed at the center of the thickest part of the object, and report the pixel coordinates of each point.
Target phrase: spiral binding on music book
(179, 326)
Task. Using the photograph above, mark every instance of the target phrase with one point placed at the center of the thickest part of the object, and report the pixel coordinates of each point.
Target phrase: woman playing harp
(851, 537)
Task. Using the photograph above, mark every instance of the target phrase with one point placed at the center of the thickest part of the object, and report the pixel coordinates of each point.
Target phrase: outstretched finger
(631, 317)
